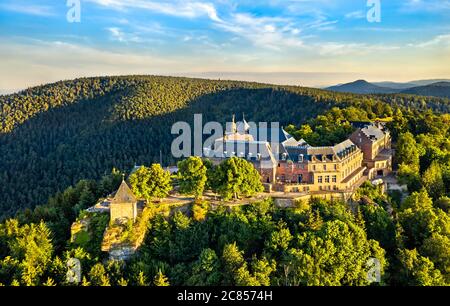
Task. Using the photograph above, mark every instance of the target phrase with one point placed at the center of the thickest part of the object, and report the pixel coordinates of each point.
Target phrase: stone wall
(122, 211)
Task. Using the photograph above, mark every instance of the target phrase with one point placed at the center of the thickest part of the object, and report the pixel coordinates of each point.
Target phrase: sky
(298, 42)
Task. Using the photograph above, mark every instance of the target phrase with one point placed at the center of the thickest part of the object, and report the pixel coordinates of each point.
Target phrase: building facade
(289, 165)
(375, 143)
(123, 206)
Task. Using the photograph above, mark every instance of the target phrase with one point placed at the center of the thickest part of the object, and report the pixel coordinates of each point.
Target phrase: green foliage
(161, 280)
(110, 122)
(139, 181)
(313, 259)
(433, 182)
(417, 270)
(443, 203)
(206, 270)
(379, 225)
(437, 249)
(410, 176)
(406, 150)
(235, 177)
(200, 210)
(98, 276)
(119, 121)
(30, 252)
(153, 182)
(91, 239)
(192, 176)
(420, 220)
(328, 129)
(279, 240)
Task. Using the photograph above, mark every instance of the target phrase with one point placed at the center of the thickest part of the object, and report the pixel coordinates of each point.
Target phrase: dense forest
(77, 141)
(54, 135)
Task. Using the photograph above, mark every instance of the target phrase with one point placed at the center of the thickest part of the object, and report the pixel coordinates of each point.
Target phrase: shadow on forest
(55, 149)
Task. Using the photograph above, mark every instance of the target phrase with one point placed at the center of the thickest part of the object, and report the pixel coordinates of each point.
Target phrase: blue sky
(307, 42)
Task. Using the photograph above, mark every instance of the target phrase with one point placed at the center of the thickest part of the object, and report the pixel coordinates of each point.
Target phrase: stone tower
(124, 205)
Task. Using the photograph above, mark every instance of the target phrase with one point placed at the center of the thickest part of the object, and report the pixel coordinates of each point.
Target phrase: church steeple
(242, 127)
(233, 124)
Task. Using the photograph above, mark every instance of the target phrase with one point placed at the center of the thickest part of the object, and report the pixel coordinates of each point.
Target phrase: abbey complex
(292, 166)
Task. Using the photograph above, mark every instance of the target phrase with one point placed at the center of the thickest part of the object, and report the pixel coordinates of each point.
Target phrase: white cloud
(36, 10)
(355, 15)
(440, 40)
(187, 9)
(427, 5)
(266, 32)
(345, 49)
(119, 35)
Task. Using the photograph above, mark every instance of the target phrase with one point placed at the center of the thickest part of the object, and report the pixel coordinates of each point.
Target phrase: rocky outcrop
(121, 253)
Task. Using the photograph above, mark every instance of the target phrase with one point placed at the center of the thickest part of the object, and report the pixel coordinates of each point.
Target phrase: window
(335, 167)
(327, 179)
(319, 179)
(300, 158)
(314, 168)
(325, 167)
(334, 179)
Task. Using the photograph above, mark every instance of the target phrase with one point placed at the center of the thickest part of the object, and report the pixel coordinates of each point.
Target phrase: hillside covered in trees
(54, 135)
(258, 244)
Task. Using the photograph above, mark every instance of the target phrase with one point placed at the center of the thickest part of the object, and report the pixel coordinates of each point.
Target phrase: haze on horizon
(295, 42)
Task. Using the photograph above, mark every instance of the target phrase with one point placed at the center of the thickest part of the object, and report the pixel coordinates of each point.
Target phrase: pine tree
(141, 279)
(161, 280)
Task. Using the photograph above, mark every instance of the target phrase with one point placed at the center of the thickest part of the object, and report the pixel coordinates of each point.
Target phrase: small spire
(243, 117)
(123, 177)
(233, 125)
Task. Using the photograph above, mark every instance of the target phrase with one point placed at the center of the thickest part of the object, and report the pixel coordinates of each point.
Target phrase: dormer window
(300, 158)
(258, 156)
(284, 156)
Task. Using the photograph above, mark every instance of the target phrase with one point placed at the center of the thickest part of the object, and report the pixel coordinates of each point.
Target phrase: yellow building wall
(119, 211)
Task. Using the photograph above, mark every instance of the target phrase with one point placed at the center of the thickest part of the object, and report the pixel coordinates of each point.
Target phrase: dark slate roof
(340, 150)
(124, 195)
(360, 124)
(295, 152)
(372, 132)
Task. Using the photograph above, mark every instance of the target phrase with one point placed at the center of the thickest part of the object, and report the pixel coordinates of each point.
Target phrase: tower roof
(124, 195)
(242, 126)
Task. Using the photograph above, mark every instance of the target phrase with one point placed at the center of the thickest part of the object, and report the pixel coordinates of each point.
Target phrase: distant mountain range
(436, 88)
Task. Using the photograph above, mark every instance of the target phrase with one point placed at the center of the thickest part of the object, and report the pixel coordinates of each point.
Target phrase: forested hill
(51, 136)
